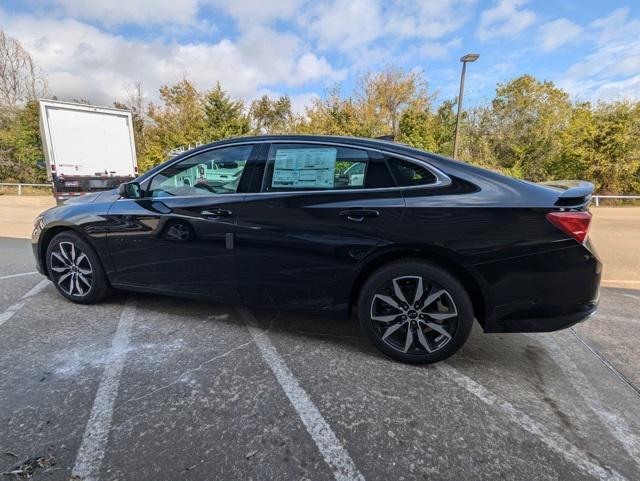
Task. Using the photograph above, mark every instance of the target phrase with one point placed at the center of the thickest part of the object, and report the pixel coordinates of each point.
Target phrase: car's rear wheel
(75, 269)
(415, 312)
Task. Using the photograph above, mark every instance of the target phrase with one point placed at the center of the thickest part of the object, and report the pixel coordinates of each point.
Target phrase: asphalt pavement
(145, 387)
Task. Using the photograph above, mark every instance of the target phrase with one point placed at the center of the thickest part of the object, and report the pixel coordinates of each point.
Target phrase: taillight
(575, 224)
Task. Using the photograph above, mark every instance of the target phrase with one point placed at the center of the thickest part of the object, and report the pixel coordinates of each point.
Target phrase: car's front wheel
(75, 269)
(415, 312)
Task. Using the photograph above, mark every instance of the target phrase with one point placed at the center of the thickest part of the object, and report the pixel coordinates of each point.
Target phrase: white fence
(597, 198)
(20, 186)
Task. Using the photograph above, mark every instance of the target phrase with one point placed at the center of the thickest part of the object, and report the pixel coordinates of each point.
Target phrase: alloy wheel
(72, 269)
(178, 232)
(414, 316)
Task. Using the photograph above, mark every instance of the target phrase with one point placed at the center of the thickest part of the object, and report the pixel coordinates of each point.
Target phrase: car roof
(381, 143)
(454, 167)
(355, 141)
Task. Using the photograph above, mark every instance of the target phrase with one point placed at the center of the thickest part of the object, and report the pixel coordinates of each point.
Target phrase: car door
(321, 209)
(179, 236)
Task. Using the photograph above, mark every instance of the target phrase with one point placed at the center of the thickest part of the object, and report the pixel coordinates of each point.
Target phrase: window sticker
(305, 168)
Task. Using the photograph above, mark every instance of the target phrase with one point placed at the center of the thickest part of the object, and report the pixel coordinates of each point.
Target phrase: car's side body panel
(169, 244)
(300, 250)
(85, 215)
(295, 250)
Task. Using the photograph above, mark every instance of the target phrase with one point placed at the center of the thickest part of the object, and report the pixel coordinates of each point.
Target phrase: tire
(75, 269)
(408, 331)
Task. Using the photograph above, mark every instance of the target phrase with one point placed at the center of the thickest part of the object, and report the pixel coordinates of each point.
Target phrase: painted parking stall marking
(614, 423)
(553, 440)
(332, 450)
(96, 434)
(12, 309)
(20, 274)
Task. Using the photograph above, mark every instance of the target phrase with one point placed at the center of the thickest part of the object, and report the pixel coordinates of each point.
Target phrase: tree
(20, 146)
(272, 116)
(333, 115)
(523, 125)
(225, 117)
(20, 78)
(179, 121)
(385, 95)
(602, 144)
(417, 127)
(135, 103)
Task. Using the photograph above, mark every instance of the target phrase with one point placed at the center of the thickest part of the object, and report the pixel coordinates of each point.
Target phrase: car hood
(104, 196)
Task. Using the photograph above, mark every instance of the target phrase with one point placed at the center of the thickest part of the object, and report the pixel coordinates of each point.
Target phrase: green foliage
(272, 116)
(417, 128)
(523, 125)
(334, 116)
(187, 117)
(20, 145)
(225, 117)
(179, 121)
(530, 129)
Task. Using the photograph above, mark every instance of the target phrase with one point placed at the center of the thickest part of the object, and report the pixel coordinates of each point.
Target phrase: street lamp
(470, 57)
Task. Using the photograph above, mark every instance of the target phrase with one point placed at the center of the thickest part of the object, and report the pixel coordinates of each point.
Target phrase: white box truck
(86, 148)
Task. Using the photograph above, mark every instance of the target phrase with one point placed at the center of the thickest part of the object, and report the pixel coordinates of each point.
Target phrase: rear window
(408, 173)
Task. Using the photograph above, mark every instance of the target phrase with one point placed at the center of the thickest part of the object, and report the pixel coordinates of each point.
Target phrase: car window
(293, 167)
(410, 173)
(216, 171)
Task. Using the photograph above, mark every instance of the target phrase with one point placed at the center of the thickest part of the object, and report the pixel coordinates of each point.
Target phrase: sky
(98, 49)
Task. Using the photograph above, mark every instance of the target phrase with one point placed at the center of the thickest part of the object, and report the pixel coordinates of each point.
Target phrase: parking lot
(145, 387)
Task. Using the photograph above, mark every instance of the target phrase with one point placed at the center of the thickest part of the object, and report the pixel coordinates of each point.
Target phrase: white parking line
(632, 296)
(552, 439)
(11, 276)
(96, 434)
(616, 425)
(12, 309)
(612, 317)
(334, 454)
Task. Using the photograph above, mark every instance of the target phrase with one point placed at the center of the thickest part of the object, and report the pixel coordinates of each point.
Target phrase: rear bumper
(545, 324)
(543, 292)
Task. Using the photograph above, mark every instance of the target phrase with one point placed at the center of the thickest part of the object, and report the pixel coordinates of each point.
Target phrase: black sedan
(415, 244)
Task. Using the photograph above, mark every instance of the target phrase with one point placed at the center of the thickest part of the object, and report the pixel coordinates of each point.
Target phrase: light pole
(470, 57)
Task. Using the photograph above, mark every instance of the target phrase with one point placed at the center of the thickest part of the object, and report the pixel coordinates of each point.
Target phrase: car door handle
(358, 215)
(216, 213)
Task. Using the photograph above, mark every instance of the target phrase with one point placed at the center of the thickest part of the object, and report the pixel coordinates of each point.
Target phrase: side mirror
(129, 190)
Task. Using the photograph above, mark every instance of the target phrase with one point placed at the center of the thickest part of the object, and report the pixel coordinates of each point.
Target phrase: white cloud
(556, 33)
(311, 67)
(612, 71)
(346, 24)
(357, 27)
(131, 11)
(300, 101)
(83, 61)
(429, 19)
(439, 50)
(250, 11)
(628, 88)
(506, 18)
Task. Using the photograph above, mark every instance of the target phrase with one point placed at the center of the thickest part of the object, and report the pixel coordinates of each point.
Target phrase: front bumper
(543, 292)
(35, 246)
